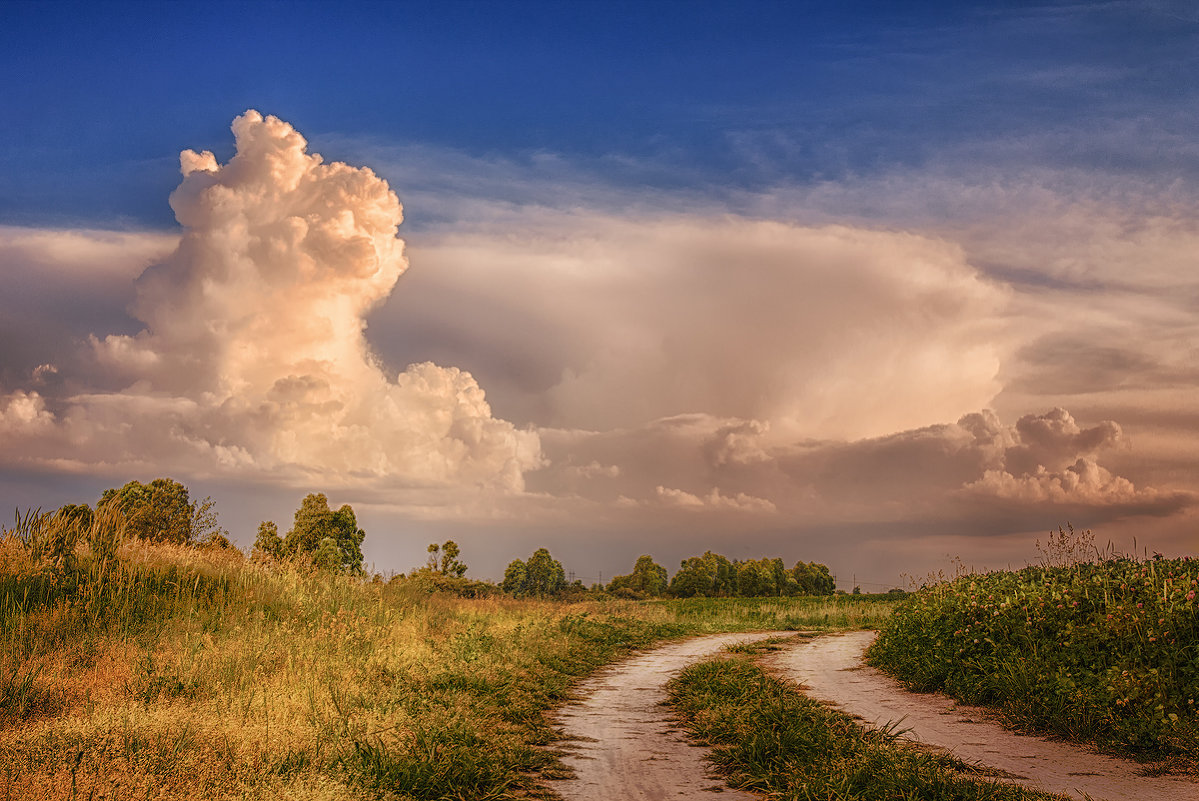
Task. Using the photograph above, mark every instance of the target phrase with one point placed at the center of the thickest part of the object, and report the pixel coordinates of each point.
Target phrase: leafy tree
(327, 555)
(448, 564)
(514, 578)
(162, 511)
(813, 578)
(539, 576)
(648, 580)
(79, 514)
(543, 574)
(755, 578)
(316, 522)
(268, 542)
(710, 575)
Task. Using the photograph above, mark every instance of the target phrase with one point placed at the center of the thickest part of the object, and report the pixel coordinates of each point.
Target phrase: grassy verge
(1101, 652)
(135, 671)
(769, 737)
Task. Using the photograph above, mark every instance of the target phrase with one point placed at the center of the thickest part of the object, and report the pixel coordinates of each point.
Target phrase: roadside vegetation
(172, 666)
(769, 737)
(1101, 648)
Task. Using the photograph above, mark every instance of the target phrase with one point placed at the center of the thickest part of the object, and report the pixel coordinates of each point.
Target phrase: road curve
(830, 668)
(621, 741)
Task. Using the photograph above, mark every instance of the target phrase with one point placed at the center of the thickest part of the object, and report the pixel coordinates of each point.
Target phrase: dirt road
(830, 669)
(624, 744)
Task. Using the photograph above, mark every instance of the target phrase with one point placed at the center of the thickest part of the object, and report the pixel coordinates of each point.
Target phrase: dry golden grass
(166, 672)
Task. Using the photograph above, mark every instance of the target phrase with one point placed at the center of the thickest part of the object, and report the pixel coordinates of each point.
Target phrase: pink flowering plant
(1104, 651)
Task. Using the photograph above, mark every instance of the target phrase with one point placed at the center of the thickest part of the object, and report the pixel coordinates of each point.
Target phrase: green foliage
(1105, 652)
(316, 522)
(162, 511)
(540, 576)
(648, 580)
(714, 576)
(443, 559)
(514, 577)
(770, 738)
(709, 576)
(813, 578)
(268, 543)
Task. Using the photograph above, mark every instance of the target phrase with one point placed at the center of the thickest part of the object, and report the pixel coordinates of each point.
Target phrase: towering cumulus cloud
(254, 355)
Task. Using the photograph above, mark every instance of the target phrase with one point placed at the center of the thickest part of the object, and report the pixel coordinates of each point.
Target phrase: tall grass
(1105, 652)
(133, 670)
(769, 737)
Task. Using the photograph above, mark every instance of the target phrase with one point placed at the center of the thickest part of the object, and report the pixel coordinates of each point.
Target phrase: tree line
(328, 539)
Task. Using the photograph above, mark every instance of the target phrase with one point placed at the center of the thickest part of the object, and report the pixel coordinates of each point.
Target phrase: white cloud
(594, 321)
(253, 356)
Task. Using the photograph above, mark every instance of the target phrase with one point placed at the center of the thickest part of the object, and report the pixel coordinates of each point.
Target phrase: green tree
(755, 578)
(710, 575)
(539, 576)
(315, 522)
(268, 543)
(515, 576)
(162, 511)
(648, 580)
(544, 574)
(79, 514)
(443, 559)
(813, 578)
(327, 555)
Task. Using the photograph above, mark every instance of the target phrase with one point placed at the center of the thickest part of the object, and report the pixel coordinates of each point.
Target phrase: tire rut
(830, 668)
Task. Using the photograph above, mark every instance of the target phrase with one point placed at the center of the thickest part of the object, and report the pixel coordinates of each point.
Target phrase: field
(1104, 651)
(138, 671)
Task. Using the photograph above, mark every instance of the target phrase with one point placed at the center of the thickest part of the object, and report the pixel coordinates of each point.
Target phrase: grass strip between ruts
(769, 737)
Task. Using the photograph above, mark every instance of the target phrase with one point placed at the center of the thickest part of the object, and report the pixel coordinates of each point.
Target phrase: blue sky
(863, 282)
(99, 96)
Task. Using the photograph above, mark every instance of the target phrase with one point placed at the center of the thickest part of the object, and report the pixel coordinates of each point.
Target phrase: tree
(448, 564)
(161, 511)
(514, 578)
(79, 514)
(539, 576)
(648, 580)
(755, 578)
(268, 542)
(543, 574)
(813, 578)
(710, 575)
(316, 522)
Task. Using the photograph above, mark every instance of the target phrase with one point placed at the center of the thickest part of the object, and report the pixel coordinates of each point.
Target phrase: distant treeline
(715, 576)
(323, 539)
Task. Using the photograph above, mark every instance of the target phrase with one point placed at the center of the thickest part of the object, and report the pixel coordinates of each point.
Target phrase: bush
(1106, 652)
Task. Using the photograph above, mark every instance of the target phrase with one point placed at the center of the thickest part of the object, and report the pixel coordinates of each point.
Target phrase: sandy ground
(621, 742)
(830, 669)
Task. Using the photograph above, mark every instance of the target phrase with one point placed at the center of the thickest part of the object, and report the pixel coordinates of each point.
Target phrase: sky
(890, 288)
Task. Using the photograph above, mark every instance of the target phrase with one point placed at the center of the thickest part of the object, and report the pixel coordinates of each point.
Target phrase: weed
(769, 737)
(1101, 651)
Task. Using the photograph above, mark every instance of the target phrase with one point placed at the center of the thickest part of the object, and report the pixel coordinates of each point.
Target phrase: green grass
(1105, 652)
(132, 670)
(823, 612)
(770, 738)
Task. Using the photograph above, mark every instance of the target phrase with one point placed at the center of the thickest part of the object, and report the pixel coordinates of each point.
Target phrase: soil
(621, 741)
(830, 668)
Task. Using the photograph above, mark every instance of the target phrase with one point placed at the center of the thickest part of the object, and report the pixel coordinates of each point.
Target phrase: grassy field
(138, 671)
(769, 737)
(1105, 652)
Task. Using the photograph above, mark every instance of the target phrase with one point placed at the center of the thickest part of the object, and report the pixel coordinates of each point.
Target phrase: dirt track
(623, 743)
(830, 669)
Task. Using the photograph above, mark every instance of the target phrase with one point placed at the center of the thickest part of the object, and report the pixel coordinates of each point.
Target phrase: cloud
(253, 357)
(828, 331)
(977, 470)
